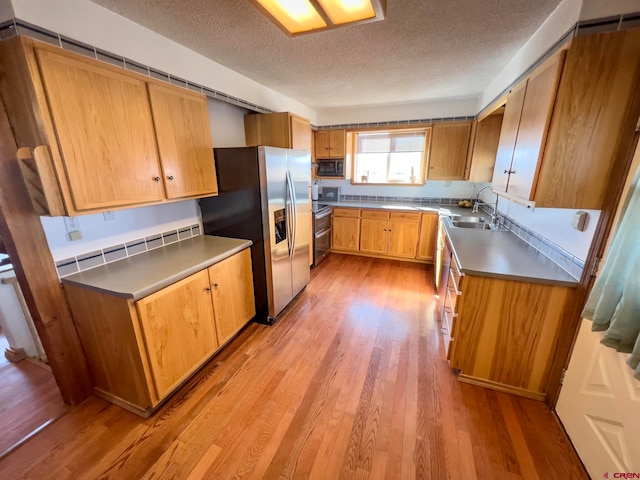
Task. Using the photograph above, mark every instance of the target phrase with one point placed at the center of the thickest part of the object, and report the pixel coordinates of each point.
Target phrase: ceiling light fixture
(295, 17)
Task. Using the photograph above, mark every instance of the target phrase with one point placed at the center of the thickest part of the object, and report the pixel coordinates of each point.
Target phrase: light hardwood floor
(351, 382)
(29, 399)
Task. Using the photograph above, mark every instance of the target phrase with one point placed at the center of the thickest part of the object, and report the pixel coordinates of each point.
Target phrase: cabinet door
(232, 286)
(374, 235)
(403, 239)
(338, 142)
(105, 132)
(181, 119)
(323, 143)
(345, 234)
(533, 129)
(508, 135)
(179, 330)
(449, 147)
(428, 236)
(300, 133)
(485, 148)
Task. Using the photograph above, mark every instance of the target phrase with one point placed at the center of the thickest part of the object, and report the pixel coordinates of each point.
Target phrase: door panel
(599, 404)
(345, 234)
(428, 236)
(533, 129)
(299, 164)
(403, 239)
(278, 262)
(232, 288)
(105, 132)
(373, 235)
(181, 119)
(508, 136)
(179, 331)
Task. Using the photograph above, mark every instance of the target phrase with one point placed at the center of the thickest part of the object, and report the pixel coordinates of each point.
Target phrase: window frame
(421, 178)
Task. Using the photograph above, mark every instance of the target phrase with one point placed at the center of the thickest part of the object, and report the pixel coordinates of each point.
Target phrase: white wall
(559, 22)
(552, 223)
(128, 225)
(460, 107)
(95, 25)
(6, 10)
(604, 8)
(227, 124)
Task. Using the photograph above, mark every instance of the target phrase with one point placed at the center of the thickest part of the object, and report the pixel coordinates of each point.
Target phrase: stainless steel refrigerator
(263, 196)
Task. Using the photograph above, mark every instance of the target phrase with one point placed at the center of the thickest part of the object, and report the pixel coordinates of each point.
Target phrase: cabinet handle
(215, 285)
(170, 177)
(155, 179)
(207, 289)
(509, 171)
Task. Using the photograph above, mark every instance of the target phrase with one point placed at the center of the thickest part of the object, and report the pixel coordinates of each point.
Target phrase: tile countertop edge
(80, 279)
(550, 273)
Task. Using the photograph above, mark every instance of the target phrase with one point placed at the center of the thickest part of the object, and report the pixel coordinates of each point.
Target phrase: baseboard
(502, 388)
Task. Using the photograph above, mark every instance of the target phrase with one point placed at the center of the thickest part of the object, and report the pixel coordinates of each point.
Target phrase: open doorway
(29, 395)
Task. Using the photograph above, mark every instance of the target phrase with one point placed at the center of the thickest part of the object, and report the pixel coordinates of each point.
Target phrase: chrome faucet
(477, 203)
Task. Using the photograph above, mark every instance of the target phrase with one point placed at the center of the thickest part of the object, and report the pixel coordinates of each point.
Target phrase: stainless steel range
(321, 231)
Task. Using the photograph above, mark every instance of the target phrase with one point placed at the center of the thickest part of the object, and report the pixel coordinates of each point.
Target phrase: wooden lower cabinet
(139, 352)
(179, 330)
(428, 236)
(383, 233)
(345, 233)
(504, 333)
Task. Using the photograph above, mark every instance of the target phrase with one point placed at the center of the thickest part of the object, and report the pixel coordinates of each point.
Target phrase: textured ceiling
(424, 50)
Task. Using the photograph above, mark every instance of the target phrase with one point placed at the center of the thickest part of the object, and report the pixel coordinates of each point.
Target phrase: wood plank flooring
(29, 398)
(351, 382)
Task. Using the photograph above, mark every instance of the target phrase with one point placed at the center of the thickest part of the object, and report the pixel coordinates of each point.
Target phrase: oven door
(321, 245)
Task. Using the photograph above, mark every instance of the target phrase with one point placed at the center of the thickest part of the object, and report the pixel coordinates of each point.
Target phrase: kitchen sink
(479, 225)
(467, 219)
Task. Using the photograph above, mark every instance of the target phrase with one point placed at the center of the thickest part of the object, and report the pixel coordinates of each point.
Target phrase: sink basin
(480, 225)
(467, 219)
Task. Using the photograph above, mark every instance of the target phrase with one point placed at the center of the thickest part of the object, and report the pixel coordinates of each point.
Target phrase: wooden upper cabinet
(300, 129)
(449, 148)
(485, 148)
(330, 143)
(508, 136)
(111, 137)
(594, 121)
(231, 283)
(524, 130)
(105, 132)
(281, 129)
(179, 330)
(534, 125)
(181, 121)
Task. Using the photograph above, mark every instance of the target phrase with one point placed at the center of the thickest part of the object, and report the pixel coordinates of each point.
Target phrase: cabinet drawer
(375, 214)
(405, 216)
(346, 212)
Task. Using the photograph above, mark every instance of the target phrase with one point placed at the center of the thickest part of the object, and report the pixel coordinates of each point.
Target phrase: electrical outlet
(72, 224)
(109, 216)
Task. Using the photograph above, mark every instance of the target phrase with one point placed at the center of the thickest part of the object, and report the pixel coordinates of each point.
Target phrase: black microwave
(330, 168)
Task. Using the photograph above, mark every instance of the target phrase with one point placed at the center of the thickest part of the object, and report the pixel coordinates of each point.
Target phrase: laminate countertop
(143, 274)
(501, 254)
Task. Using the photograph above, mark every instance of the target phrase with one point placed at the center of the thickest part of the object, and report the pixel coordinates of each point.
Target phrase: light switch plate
(72, 224)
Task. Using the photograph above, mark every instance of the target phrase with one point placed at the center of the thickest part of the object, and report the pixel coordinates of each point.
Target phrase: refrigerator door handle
(289, 212)
(294, 205)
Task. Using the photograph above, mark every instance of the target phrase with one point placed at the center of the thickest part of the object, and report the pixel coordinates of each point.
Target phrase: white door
(599, 404)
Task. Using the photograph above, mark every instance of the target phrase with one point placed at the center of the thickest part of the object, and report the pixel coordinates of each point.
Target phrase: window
(395, 157)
